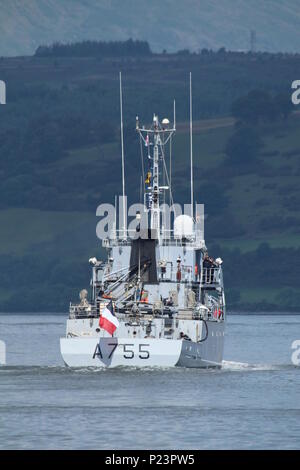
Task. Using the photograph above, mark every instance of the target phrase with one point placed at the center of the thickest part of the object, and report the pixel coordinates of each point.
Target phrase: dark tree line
(265, 267)
(244, 146)
(260, 106)
(252, 111)
(45, 139)
(50, 284)
(95, 49)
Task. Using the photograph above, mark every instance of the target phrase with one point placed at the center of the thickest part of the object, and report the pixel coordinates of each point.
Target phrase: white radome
(183, 226)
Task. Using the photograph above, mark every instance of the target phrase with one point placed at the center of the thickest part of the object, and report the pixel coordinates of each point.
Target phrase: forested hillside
(60, 158)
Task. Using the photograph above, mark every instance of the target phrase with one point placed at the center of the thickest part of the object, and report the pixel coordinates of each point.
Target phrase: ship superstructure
(166, 292)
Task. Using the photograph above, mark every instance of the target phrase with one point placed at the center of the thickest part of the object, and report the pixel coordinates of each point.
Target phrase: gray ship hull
(110, 352)
(206, 354)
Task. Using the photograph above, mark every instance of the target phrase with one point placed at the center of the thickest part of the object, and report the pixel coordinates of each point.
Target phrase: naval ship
(157, 299)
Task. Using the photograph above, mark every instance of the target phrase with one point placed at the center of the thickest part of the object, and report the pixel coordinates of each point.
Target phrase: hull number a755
(129, 351)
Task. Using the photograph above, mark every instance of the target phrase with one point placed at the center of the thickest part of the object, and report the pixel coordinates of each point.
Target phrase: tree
(244, 146)
(257, 105)
(284, 105)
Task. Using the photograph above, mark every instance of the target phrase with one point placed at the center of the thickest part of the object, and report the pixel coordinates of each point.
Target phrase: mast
(155, 180)
(156, 137)
(122, 153)
(191, 148)
(174, 115)
(170, 156)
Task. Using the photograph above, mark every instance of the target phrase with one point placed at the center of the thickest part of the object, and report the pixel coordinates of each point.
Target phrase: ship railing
(82, 311)
(211, 276)
(167, 237)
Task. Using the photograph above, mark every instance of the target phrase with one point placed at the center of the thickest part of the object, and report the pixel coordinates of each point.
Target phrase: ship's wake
(227, 366)
(245, 366)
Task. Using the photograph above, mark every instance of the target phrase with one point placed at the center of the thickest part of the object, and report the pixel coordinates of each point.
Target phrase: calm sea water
(252, 403)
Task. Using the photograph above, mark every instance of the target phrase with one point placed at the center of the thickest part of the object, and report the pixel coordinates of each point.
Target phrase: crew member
(208, 264)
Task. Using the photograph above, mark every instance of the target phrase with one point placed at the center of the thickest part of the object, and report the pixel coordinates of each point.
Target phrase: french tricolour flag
(108, 321)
